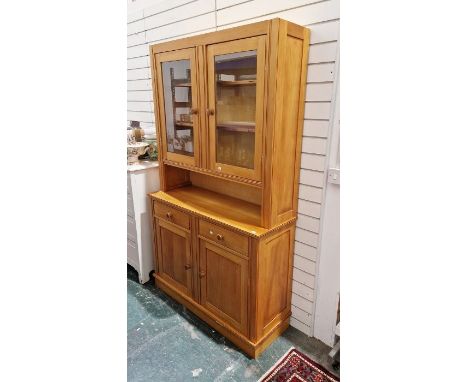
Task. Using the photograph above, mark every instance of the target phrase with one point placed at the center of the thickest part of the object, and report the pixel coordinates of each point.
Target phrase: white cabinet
(142, 178)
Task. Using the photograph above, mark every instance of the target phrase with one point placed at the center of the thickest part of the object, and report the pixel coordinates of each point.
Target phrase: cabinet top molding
(229, 34)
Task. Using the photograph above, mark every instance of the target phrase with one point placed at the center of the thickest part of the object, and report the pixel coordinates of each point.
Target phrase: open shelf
(232, 211)
(237, 83)
(183, 85)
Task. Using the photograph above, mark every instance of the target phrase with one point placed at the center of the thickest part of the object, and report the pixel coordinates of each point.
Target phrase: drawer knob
(211, 232)
(202, 274)
(169, 215)
(219, 237)
(188, 266)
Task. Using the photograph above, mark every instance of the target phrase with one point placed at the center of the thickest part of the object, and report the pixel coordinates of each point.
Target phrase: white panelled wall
(167, 20)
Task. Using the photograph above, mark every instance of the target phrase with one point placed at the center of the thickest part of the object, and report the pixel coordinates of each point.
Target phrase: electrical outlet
(334, 175)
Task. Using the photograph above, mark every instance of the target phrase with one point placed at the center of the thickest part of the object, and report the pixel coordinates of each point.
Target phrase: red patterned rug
(297, 367)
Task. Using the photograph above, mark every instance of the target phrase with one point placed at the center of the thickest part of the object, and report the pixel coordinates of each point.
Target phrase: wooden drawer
(225, 237)
(172, 215)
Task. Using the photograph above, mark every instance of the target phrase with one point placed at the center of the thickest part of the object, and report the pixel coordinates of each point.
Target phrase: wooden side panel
(174, 177)
(274, 280)
(287, 136)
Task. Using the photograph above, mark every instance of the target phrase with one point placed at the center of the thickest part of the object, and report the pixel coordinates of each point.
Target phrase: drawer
(225, 237)
(172, 215)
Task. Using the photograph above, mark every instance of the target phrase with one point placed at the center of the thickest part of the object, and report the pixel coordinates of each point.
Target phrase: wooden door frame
(177, 55)
(257, 43)
(161, 224)
(204, 245)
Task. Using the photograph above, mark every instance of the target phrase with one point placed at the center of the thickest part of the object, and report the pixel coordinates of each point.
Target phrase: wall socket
(334, 175)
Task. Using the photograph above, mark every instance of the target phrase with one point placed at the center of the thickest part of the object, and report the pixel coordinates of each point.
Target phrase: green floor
(165, 342)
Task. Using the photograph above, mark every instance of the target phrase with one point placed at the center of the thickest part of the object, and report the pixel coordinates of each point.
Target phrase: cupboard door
(175, 258)
(177, 84)
(223, 285)
(236, 72)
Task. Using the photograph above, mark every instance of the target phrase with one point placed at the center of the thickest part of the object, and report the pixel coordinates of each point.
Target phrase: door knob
(210, 111)
(202, 274)
(188, 266)
(194, 111)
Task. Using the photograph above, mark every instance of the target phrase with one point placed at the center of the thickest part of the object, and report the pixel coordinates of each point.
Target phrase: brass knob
(219, 237)
(210, 111)
(202, 274)
(188, 266)
(194, 111)
(211, 232)
(168, 215)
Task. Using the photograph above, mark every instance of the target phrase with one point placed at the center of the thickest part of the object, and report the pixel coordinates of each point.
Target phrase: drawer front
(225, 237)
(171, 215)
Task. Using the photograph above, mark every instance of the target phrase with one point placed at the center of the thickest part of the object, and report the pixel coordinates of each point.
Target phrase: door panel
(235, 72)
(175, 259)
(223, 283)
(177, 84)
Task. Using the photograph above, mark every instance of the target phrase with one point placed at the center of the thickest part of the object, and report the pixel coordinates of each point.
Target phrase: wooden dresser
(229, 109)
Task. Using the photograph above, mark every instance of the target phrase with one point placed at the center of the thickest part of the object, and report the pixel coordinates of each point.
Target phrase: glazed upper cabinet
(230, 126)
(235, 106)
(178, 99)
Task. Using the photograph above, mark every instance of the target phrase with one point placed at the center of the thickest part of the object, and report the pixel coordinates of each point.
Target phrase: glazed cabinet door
(177, 100)
(223, 285)
(174, 256)
(235, 74)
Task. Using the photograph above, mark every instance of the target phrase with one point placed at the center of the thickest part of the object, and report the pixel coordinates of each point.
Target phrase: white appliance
(142, 178)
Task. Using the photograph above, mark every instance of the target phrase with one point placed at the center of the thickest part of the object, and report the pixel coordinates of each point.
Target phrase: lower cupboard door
(223, 282)
(174, 257)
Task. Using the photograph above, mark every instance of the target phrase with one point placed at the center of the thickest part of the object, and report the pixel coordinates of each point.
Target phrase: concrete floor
(166, 342)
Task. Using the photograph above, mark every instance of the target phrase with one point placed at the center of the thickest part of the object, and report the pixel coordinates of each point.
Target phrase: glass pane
(177, 104)
(236, 79)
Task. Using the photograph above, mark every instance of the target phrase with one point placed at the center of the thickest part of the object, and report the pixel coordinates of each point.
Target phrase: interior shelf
(241, 127)
(183, 85)
(183, 124)
(237, 83)
(235, 212)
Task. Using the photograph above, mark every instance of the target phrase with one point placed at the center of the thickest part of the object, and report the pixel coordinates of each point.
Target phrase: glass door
(235, 106)
(178, 105)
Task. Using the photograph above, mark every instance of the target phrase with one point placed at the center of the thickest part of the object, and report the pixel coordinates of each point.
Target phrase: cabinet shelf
(237, 83)
(226, 209)
(241, 127)
(183, 124)
(183, 85)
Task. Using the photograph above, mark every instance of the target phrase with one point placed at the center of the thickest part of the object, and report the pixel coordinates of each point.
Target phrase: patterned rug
(297, 367)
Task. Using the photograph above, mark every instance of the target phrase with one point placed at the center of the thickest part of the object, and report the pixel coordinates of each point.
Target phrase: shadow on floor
(166, 342)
